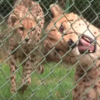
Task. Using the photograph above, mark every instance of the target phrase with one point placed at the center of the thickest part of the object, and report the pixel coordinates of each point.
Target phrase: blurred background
(90, 9)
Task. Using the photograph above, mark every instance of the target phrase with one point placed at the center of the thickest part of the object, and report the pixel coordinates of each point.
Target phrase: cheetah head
(23, 30)
(70, 35)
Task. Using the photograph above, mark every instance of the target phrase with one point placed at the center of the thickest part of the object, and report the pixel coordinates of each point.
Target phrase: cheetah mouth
(86, 44)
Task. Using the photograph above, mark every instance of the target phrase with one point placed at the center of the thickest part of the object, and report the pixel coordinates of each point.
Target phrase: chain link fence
(57, 80)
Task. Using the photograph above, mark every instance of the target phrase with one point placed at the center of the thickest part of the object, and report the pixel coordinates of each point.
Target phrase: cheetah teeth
(87, 39)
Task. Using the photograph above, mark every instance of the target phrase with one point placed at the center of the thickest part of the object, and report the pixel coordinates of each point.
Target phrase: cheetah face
(70, 34)
(69, 39)
(25, 30)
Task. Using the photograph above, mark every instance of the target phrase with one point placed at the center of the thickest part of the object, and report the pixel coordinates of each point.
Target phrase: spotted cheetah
(25, 24)
(75, 41)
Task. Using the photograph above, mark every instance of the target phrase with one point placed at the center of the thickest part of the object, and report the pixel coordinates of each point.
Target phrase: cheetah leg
(26, 78)
(83, 92)
(90, 95)
(12, 70)
(35, 60)
(77, 95)
(40, 69)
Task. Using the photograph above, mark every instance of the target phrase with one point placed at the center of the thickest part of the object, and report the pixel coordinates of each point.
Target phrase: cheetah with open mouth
(74, 40)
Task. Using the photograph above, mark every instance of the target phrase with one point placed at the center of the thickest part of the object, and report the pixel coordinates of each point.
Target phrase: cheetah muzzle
(85, 44)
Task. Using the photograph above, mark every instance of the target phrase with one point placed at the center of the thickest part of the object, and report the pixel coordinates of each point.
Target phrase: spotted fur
(25, 23)
(65, 32)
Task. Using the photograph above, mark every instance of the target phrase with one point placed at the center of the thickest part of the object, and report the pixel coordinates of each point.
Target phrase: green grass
(54, 84)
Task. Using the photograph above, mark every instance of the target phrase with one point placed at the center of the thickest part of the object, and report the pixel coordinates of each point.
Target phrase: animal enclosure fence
(57, 80)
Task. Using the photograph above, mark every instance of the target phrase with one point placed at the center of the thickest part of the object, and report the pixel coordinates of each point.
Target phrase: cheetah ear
(11, 20)
(56, 10)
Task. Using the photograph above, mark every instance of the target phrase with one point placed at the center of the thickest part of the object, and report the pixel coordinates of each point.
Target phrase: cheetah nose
(71, 43)
(27, 39)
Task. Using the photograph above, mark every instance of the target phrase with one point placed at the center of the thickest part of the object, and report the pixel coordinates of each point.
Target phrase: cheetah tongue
(85, 45)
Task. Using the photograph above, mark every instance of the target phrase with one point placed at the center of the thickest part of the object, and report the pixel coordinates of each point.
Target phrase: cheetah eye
(21, 28)
(61, 29)
(32, 29)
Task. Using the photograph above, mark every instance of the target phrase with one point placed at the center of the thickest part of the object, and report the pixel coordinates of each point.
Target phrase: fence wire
(57, 80)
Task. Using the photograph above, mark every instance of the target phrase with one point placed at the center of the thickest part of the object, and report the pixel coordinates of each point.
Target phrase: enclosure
(57, 80)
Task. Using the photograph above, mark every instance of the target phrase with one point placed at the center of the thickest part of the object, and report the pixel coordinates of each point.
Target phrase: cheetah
(77, 42)
(25, 23)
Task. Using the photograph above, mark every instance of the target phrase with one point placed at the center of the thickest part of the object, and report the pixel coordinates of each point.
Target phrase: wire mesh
(57, 80)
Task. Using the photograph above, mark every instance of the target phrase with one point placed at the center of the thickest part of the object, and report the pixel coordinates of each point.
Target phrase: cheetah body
(25, 23)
